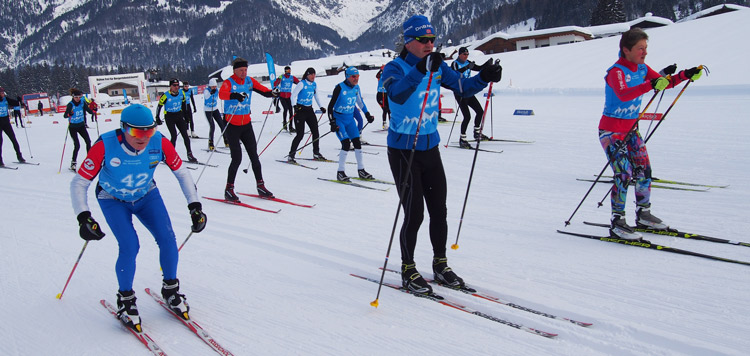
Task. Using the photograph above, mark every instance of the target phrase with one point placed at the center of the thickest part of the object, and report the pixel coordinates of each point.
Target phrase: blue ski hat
(352, 71)
(417, 26)
(138, 116)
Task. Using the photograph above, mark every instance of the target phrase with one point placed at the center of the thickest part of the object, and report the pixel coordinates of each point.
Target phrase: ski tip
(374, 303)
(454, 246)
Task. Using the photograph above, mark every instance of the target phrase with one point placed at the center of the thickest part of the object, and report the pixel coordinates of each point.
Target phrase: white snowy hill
(279, 284)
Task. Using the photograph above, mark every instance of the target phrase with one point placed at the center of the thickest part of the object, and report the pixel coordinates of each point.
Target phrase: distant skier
(406, 79)
(125, 160)
(465, 66)
(95, 108)
(17, 112)
(382, 98)
(75, 112)
(302, 98)
(174, 103)
(284, 83)
(237, 92)
(346, 97)
(211, 109)
(5, 125)
(626, 82)
(189, 98)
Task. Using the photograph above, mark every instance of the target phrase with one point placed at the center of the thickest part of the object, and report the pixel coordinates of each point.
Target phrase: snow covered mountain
(148, 33)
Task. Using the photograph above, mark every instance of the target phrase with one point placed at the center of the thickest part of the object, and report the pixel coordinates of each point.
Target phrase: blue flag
(271, 68)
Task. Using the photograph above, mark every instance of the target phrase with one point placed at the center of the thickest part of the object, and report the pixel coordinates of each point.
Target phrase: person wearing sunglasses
(422, 181)
(302, 99)
(345, 99)
(125, 160)
(75, 112)
(284, 83)
(174, 103)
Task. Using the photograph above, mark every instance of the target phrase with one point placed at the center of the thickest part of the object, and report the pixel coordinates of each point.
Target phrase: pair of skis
(16, 162)
(191, 324)
(259, 197)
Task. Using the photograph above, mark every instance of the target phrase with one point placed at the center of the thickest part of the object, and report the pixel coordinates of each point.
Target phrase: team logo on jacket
(627, 78)
(343, 92)
(115, 162)
(88, 164)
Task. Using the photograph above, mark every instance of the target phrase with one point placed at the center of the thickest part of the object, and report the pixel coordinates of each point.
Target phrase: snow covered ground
(278, 284)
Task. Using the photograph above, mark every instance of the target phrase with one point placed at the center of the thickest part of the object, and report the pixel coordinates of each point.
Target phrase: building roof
(718, 9)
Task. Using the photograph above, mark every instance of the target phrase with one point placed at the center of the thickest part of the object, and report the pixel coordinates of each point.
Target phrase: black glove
(275, 92)
(668, 70)
(690, 73)
(323, 110)
(430, 62)
(89, 228)
(297, 108)
(369, 117)
(198, 217)
(195, 109)
(213, 91)
(491, 73)
(334, 126)
(238, 96)
(158, 120)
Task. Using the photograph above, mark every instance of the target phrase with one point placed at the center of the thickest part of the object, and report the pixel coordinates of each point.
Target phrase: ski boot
(290, 158)
(644, 219)
(262, 191)
(211, 146)
(20, 158)
(621, 230)
(319, 157)
(127, 311)
(73, 166)
(170, 292)
(479, 136)
(463, 143)
(445, 275)
(364, 175)
(229, 194)
(413, 281)
(341, 176)
(191, 158)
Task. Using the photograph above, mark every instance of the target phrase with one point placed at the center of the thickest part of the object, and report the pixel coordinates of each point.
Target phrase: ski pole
(231, 116)
(59, 295)
(269, 143)
(184, 242)
(492, 116)
(264, 122)
(609, 161)
(96, 119)
(310, 135)
(473, 164)
(601, 202)
(402, 190)
(315, 140)
(28, 144)
(62, 156)
(454, 122)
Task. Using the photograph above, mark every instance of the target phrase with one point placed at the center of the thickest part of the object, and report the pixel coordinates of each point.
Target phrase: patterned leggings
(629, 160)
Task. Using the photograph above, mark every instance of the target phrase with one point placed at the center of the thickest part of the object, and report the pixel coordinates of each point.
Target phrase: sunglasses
(76, 97)
(424, 40)
(137, 132)
(174, 85)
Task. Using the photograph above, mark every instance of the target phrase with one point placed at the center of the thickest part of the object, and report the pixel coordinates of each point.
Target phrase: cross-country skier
(125, 160)
(346, 97)
(189, 98)
(464, 66)
(626, 82)
(75, 112)
(406, 79)
(211, 109)
(284, 83)
(237, 93)
(5, 106)
(380, 97)
(302, 98)
(175, 106)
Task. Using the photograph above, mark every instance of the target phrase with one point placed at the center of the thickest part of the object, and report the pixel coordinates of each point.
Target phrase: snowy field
(279, 284)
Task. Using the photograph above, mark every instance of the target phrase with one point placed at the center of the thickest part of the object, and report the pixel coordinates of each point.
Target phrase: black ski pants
(244, 134)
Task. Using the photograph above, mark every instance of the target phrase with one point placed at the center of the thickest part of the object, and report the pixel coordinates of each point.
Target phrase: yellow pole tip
(454, 246)
(58, 296)
(374, 303)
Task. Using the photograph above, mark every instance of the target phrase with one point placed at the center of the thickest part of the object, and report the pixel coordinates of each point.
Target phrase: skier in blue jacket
(423, 182)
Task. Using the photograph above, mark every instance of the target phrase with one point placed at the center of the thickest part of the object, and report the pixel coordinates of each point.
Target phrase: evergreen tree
(607, 12)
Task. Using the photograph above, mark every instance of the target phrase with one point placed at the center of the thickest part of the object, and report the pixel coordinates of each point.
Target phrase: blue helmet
(351, 71)
(138, 116)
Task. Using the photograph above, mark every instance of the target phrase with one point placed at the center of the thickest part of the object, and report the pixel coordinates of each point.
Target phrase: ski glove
(158, 120)
(660, 83)
(693, 73)
(297, 108)
(198, 217)
(213, 91)
(430, 62)
(491, 73)
(89, 229)
(668, 70)
(334, 126)
(238, 96)
(322, 110)
(195, 109)
(275, 92)
(369, 117)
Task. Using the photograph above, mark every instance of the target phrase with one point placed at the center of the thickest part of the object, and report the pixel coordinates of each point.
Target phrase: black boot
(445, 275)
(413, 281)
(127, 311)
(170, 289)
(229, 194)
